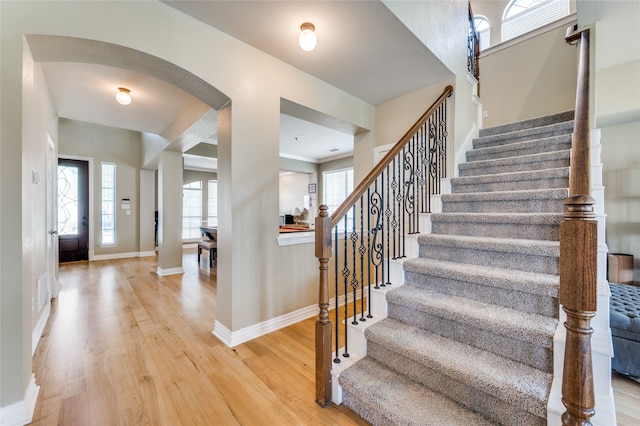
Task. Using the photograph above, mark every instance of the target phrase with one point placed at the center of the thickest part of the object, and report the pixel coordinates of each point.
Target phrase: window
(336, 186)
(484, 31)
(522, 16)
(108, 205)
(191, 210)
(212, 203)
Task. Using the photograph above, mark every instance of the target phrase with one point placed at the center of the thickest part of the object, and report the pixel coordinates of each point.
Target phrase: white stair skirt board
(357, 345)
(21, 412)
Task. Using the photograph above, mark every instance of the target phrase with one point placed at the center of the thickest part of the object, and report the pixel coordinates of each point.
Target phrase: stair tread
(511, 381)
(520, 246)
(518, 146)
(556, 129)
(515, 195)
(530, 158)
(512, 176)
(560, 117)
(498, 319)
(521, 218)
(403, 401)
(529, 282)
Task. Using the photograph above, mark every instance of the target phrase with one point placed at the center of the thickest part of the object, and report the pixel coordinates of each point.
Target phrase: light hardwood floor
(126, 347)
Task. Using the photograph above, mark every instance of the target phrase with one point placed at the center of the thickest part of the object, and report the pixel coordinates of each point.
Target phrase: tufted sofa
(624, 316)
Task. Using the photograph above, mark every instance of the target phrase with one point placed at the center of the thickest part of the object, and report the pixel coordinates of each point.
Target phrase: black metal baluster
(336, 311)
(345, 275)
(376, 246)
(354, 276)
(362, 250)
(369, 251)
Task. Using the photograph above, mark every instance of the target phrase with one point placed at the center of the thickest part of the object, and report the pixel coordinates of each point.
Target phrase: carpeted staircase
(469, 336)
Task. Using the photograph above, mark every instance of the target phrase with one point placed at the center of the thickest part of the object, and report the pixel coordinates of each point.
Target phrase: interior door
(73, 210)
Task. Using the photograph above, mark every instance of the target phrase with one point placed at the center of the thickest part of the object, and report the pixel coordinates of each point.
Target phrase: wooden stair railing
(578, 257)
(373, 228)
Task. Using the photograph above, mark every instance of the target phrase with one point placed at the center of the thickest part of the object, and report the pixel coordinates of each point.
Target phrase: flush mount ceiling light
(307, 39)
(123, 97)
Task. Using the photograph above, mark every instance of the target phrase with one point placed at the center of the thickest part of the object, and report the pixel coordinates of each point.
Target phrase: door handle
(53, 232)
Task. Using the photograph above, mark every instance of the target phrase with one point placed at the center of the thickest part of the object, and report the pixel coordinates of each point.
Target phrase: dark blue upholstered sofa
(624, 320)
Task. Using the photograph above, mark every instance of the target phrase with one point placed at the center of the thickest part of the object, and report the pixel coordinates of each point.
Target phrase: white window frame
(193, 236)
(325, 193)
(484, 35)
(105, 208)
(212, 219)
(536, 15)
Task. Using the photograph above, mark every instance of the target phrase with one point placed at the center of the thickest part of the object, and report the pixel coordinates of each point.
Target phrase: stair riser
(509, 298)
(536, 356)
(498, 230)
(508, 151)
(517, 185)
(548, 205)
(434, 377)
(478, 169)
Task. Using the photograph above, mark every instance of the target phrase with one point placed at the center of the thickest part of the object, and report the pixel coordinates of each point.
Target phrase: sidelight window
(108, 205)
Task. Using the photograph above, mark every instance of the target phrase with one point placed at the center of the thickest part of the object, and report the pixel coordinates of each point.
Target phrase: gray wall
(118, 146)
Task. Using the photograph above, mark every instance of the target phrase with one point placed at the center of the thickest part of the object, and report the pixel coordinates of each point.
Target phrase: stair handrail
(578, 256)
(323, 251)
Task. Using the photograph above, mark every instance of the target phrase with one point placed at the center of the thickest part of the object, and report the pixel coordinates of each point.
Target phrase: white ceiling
(360, 46)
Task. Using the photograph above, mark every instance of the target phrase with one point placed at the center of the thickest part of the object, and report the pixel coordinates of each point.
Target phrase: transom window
(522, 16)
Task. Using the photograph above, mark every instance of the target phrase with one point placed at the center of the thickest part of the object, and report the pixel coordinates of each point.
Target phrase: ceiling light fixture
(123, 97)
(307, 39)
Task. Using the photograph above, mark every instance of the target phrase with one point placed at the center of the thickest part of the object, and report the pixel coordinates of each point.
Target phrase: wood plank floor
(126, 347)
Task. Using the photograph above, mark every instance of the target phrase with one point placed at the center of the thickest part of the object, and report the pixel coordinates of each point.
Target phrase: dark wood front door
(73, 210)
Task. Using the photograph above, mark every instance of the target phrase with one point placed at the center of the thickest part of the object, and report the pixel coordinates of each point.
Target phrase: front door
(73, 210)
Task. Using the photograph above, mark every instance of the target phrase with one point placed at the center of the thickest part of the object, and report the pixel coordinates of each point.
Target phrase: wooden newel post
(578, 259)
(323, 325)
(578, 292)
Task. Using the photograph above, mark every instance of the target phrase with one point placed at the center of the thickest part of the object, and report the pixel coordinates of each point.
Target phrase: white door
(52, 220)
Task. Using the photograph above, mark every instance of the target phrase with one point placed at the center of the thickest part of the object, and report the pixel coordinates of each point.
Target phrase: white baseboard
(21, 412)
(116, 256)
(234, 338)
(169, 271)
(39, 328)
(147, 253)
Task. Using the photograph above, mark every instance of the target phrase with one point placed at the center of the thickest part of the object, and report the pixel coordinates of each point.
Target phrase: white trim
(147, 253)
(564, 22)
(116, 256)
(288, 239)
(21, 412)
(39, 328)
(169, 271)
(234, 338)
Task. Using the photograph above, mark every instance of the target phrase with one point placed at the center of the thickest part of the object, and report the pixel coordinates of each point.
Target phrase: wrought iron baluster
(354, 276)
(369, 251)
(362, 250)
(336, 359)
(376, 245)
(346, 272)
